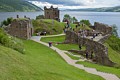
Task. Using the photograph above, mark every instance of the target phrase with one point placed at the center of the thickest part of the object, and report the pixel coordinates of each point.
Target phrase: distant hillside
(17, 6)
(105, 9)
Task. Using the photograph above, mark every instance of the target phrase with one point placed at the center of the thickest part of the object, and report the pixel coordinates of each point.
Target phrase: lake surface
(109, 18)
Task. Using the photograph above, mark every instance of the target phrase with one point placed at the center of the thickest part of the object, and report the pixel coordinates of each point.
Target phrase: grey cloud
(62, 2)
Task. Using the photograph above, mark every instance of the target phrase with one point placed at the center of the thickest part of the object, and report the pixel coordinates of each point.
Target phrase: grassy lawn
(102, 68)
(73, 57)
(60, 46)
(38, 63)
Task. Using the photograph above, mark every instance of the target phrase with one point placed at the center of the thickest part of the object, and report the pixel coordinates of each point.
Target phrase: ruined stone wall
(21, 28)
(105, 29)
(100, 51)
(71, 37)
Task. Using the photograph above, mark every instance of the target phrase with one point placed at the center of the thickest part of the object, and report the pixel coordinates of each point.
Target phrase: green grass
(38, 63)
(73, 57)
(113, 55)
(102, 68)
(67, 46)
(54, 39)
(60, 46)
(48, 25)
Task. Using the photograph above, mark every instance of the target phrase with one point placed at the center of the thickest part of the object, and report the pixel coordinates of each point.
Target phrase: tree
(9, 20)
(74, 19)
(114, 30)
(5, 23)
(87, 22)
(67, 17)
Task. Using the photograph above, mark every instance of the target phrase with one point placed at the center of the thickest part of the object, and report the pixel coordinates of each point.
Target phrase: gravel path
(106, 76)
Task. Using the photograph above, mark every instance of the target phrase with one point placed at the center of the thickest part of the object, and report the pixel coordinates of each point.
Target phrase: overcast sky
(76, 4)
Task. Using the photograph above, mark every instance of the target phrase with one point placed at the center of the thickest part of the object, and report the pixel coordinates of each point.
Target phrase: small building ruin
(21, 28)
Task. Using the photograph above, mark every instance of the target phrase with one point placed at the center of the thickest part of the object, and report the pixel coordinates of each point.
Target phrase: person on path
(45, 33)
(80, 47)
(86, 55)
(50, 44)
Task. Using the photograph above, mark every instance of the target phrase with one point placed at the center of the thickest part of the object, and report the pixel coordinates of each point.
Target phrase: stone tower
(51, 13)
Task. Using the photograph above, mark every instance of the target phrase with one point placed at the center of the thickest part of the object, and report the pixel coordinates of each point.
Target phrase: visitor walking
(80, 47)
(45, 33)
(86, 55)
(50, 44)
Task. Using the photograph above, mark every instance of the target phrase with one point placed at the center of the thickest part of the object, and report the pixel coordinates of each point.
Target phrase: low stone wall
(100, 51)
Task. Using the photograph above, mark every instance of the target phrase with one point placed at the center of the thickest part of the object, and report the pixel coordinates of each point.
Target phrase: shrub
(7, 22)
(11, 42)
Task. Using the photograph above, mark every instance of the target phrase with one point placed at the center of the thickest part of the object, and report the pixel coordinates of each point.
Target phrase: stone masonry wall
(20, 28)
(100, 51)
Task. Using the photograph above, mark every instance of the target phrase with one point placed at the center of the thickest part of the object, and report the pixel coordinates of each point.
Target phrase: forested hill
(17, 6)
(104, 9)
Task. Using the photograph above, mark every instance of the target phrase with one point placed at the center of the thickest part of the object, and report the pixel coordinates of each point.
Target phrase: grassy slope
(39, 63)
(114, 56)
(48, 25)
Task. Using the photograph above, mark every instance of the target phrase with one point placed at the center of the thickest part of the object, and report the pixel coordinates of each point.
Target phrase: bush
(11, 42)
(7, 22)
